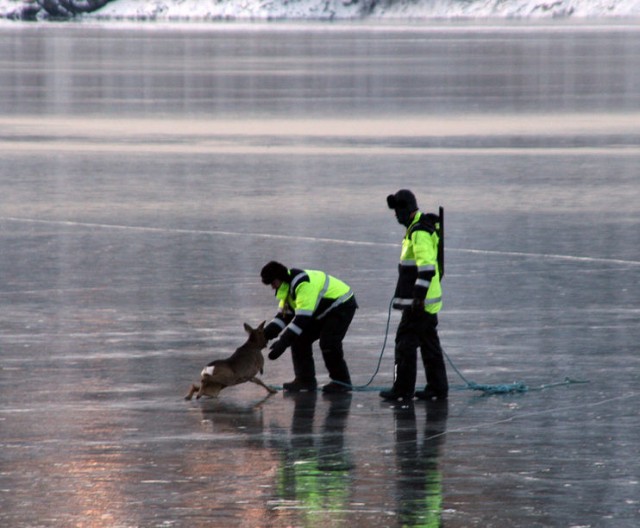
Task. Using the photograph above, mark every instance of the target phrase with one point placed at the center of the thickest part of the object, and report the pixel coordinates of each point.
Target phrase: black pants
(419, 330)
(330, 332)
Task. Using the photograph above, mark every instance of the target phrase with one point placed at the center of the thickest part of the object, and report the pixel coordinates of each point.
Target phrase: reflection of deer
(243, 365)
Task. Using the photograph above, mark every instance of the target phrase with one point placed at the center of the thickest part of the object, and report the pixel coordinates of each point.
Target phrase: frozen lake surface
(147, 175)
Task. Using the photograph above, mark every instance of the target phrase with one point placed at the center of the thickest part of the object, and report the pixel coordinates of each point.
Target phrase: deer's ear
(247, 328)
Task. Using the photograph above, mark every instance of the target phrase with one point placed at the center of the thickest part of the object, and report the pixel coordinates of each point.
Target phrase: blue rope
(503, 388)
(506, 388)
(365, 387)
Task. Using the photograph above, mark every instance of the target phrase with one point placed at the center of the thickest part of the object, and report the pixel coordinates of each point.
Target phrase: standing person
(312, 306)
(419, 296)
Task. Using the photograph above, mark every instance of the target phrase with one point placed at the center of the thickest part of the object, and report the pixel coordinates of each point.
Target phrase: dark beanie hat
(274, 270)
(403, 199)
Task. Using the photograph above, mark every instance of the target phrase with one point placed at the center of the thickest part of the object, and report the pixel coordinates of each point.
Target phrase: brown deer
(242, 366)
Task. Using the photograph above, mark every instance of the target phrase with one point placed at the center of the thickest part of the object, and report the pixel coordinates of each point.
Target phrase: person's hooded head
(404, 204)
(274, 271)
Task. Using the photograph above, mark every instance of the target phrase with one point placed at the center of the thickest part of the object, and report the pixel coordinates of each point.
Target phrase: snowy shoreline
(347, 10)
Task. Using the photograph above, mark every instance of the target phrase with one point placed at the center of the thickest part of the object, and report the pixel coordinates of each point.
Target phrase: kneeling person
(313, 306)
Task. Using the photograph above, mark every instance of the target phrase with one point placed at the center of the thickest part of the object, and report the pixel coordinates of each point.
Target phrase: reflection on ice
(132, 232)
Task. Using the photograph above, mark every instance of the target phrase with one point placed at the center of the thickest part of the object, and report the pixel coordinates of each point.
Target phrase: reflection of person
(313, 306)
(332, 453)
(419, 296)
(419, 480)
(315, 466)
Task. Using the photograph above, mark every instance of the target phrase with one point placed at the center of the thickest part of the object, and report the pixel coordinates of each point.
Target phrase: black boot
(301, 385)
(405, 380)
(336, 387)
(304, 369)
(429, 394)
(392, 395)
(338, 371)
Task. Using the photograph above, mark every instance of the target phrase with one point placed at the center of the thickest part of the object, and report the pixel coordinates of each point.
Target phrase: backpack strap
(431, 223)
(427, 222)
(441, 242)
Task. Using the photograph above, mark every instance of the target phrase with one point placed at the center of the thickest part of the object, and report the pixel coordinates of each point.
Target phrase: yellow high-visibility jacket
(418, 270)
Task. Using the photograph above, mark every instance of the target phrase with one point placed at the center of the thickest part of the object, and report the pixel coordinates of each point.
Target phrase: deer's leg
(194, 388)
(258, 381)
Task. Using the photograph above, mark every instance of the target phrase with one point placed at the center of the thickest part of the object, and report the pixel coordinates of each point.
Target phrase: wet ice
(133, 232)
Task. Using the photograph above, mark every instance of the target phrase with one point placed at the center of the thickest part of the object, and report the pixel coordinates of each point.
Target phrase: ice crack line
(216, 232)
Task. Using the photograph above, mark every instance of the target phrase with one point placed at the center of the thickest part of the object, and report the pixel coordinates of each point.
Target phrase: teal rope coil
(506, 388)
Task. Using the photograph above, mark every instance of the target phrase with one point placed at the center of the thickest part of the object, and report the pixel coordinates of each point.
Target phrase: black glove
(276, 350)
(417, 306)
(271, 331)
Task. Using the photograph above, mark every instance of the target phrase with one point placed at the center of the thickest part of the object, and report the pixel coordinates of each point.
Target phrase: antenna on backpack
(441, 242)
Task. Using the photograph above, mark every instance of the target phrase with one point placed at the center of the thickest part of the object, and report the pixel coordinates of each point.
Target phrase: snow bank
(184, 10)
